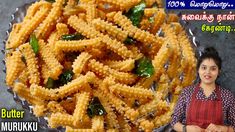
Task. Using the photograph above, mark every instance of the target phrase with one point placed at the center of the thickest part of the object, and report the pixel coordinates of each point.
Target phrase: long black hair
(210, 53)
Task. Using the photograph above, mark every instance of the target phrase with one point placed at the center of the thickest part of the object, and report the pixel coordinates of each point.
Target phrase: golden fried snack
(82, 27)
(81, 107)
(39, 110)
(128, 91)
(80, 63)
(70, 129)
(146, 125)
(31, 62)
(112, 30)
(98, 123)
(24, 92)
(123, 5)
(23, 77)
(125, 65)
(77, 45)
(103, 70)
(58, 119)
(15, 67)
(45, 28)
(94, 65)
(159, 19)
(50, 60)
(55, 107)
(29, 26)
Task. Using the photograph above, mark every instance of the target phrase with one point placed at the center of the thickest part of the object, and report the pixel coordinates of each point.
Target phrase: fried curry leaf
(51, 1)
(144, 67)
(95, 108)
(136, 13)
(34, 43)
(50, 83)
(72, 37)
(129, 40)
(65, 77)
(151, 19)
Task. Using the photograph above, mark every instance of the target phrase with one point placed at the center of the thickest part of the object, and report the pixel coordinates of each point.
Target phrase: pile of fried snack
(100, 65)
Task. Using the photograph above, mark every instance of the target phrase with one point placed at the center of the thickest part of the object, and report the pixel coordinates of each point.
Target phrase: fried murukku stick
(31, 62)
(172, 18)
(69, 129)
(82, 101)
(162, 119)
(23, 77)
(129, 91)
(112, 130)
(149, 12)
(159, 3)
(77, 45)
(146, 125)
(61, 29)
(31, 11)
(39, 110)
(112, 30)
(87, 1)
(123, 5)
(158, 62)
(28, 28)
(91, 12)
(15, 30)
(98, 123)
(55, 107)
(80, 63)
(149, 3)
(82, 27)
(124, 126)
(188, 62)
(47, 25)
(44, 93)
(123, 65)
(161, 58)
(91, 32)
(15, 67)
(163, 85)
(107, 7)
(174, 59)
(70, 10)
(50, 60)
(117, 47)
(143, 36)
(63, 91)
(76, 84)
(45, 73)
(151, 106)
(23, 91)
(122, 107)
(104, 70)
(111, 118)
(59, 119)
(159, 19)
(145, 24)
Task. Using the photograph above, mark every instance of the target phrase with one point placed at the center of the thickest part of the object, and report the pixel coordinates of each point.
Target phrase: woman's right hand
(194, 128)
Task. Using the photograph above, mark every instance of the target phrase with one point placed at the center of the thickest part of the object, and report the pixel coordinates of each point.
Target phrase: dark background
(224, 42)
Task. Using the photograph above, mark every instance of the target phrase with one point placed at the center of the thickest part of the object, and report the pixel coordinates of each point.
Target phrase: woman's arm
(189, 128)
(221, 128)
(178, 127)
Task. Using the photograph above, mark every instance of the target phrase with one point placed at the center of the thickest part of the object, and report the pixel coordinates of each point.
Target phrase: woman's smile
(208, 71)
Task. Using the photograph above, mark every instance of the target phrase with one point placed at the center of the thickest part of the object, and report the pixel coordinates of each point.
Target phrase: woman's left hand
(215, 128)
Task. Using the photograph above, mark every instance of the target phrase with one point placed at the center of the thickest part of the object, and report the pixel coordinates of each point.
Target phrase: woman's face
(208, 71)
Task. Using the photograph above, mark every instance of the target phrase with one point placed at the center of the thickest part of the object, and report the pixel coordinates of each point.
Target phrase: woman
(205, 106)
